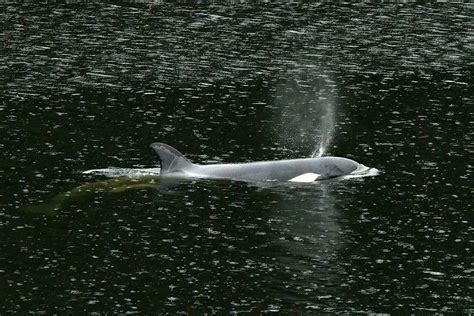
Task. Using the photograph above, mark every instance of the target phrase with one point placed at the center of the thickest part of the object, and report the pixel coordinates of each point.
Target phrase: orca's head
(332, 167)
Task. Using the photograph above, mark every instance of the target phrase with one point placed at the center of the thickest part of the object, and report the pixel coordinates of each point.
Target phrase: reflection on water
(85, 86)
(310, 237)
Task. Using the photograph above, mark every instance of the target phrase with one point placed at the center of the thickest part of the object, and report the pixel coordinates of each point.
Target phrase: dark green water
(91, 86)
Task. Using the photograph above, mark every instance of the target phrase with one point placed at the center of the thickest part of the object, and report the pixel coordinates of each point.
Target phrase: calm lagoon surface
(86, 86)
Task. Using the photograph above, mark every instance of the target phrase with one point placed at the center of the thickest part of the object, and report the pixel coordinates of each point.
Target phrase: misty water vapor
(307, 113)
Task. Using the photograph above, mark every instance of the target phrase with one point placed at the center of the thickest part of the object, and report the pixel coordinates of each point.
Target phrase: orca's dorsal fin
(171, 160)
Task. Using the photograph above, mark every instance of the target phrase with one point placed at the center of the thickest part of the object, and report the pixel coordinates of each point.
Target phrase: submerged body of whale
(175, 164)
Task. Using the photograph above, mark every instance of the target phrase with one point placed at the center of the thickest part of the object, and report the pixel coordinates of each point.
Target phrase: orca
(175, 164)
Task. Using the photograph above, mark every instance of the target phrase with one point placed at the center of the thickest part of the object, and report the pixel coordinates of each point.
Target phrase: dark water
(91, 86)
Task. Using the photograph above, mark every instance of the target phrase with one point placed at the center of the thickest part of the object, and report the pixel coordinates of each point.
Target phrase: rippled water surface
(87, 86)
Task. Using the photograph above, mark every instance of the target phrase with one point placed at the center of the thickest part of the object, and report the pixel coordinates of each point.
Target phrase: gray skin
(174, 164)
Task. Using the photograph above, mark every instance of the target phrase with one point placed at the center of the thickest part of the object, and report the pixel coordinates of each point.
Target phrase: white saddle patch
(306, 177)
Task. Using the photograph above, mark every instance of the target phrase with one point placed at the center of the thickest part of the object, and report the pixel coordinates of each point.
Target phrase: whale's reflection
(310, 237)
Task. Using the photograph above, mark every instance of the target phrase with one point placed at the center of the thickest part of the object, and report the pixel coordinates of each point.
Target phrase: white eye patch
(306, 177)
